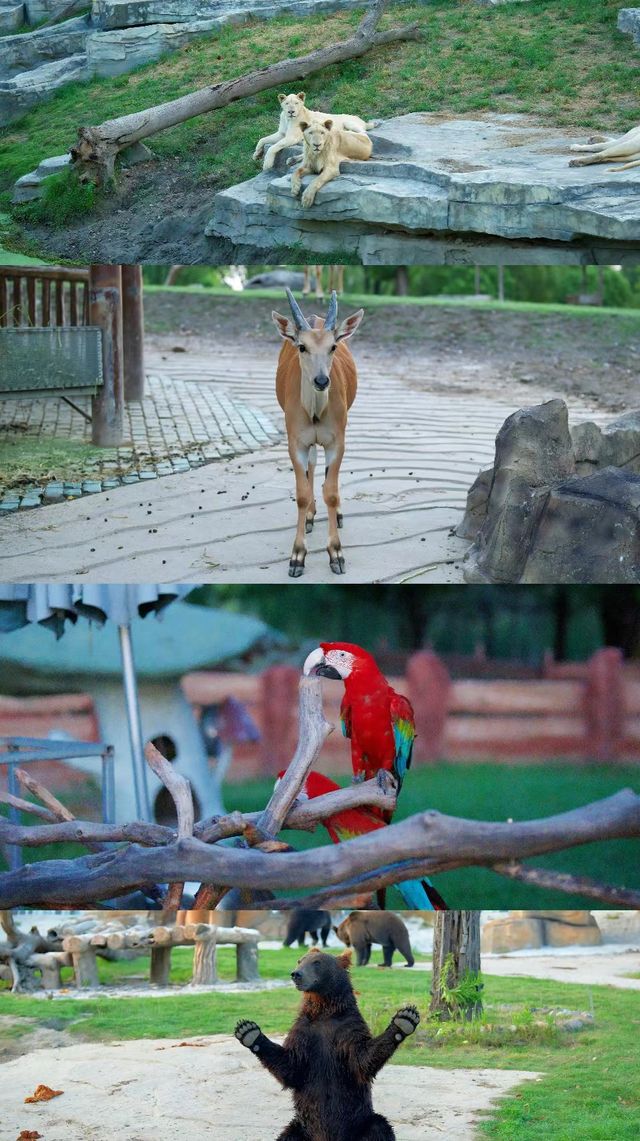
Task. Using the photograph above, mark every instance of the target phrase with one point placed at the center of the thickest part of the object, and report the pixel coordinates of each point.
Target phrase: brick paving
(184, 422)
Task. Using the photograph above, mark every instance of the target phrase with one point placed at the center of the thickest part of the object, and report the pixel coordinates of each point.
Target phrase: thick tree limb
(430, 841)
(97, 148)
(85, 832)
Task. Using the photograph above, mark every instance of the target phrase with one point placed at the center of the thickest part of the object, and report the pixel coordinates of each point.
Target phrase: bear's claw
(405, 1021)
(247, 1033)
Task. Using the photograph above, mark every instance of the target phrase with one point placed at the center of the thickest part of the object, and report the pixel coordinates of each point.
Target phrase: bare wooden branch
(27, 806)
(423, 844)
(97, 148)
(314, 730)
(85, 832)
(180, 790)
(576, 885)
(57, 808)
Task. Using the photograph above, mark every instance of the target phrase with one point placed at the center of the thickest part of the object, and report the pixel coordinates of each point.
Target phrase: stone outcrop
(23, 91)
(132, 13)
(12, 17)
(629, 22)
(559, 504)
(528, 930)
(433, 176)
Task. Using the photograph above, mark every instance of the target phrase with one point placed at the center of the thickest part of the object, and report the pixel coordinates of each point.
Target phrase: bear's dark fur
(303, 919)
(329, 1057)
(362, 928)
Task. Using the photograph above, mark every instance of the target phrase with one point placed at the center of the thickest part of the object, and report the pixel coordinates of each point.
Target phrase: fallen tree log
(94, 155)
(424, 844)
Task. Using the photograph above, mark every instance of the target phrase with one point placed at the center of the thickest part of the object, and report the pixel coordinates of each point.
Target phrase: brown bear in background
(362, 928)
(329, 1057)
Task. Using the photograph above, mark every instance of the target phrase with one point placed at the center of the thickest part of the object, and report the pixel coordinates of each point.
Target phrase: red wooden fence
(586, 712)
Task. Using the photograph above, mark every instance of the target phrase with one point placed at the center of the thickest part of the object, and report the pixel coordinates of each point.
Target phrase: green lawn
(497, 792)
(590, 1090)
(564, 63)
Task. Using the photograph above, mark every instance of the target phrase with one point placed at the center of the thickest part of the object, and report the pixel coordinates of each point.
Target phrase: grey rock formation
(29, 186)
(119, 51)
(498, 176)
(38, 10)
(19, 53)
(629, 22)
(130, 13)
(28, 88)
(558, 505)
(12, 17)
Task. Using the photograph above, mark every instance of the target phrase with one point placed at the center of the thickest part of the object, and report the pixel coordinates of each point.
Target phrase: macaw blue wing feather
(404, 731)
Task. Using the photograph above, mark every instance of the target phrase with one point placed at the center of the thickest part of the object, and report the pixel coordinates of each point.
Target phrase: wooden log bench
(158, 943)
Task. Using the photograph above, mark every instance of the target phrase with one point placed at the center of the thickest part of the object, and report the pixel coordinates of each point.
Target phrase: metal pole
(133, 332)
(135, 728)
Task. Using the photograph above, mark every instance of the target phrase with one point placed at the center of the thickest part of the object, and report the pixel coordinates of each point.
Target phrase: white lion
(289, 133)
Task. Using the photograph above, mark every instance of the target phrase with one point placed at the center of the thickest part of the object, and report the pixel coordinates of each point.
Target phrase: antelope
(316, 384)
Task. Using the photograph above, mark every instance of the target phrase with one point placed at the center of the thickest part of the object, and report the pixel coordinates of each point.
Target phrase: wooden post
(604, 705)
(429, 686)
(247, 962)
(85, 966)
(105, 310)
(133, 332)
(204, 959)
(160, 965)
(279, 724)
(456, 960)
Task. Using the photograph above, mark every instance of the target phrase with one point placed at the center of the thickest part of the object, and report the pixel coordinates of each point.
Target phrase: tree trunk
(95, 153)
(455, 990)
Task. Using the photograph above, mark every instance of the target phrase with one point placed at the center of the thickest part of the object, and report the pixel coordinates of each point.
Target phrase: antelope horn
(299, 319)
(332, 312)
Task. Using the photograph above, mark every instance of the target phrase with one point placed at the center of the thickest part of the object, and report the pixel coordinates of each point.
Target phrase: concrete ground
(153, 1090)
(411, 457)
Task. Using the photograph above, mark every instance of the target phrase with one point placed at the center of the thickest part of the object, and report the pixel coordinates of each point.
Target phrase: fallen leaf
(200, 1044)
(43, 1093)
(29, 1135)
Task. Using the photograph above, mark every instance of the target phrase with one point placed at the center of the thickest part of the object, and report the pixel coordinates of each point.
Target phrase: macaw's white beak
(316, 666)
(314, 659)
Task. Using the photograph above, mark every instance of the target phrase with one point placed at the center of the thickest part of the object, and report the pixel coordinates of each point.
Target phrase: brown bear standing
(329, 1057)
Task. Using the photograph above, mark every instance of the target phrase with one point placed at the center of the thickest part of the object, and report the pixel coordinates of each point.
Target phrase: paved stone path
(411, 456)
(178, 426)
(148, 1091)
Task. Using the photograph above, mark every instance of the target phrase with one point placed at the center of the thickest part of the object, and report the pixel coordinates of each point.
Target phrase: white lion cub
(289, 132)
(325, 145)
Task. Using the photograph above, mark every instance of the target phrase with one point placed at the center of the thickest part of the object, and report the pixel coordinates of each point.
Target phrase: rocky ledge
(560, 504)
(497, 177)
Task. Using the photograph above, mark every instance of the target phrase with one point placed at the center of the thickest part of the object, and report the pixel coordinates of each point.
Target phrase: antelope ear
(345, 959)
(285, 327)
(348, 327)
(328, 123)
(301, 96)
(281, 98)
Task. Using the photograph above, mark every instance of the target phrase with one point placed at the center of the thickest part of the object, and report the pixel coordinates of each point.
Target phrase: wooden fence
(586, 712)
(43, 296)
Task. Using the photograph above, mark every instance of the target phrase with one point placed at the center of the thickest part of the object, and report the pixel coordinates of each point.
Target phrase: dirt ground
(223, 1092)
(522, 356)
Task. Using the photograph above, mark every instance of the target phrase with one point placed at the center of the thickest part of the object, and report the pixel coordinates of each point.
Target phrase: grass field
(563, 63)
(590, 1090)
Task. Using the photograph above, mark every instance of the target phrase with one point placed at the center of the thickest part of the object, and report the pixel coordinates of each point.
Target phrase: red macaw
(419, 895)
(379, 721)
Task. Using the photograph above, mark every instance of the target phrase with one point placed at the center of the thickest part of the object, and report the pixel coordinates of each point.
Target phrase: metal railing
(18, 751)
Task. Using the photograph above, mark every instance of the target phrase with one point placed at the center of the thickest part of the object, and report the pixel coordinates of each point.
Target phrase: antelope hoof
(336, 562)
(296, 563)
(339, 519)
